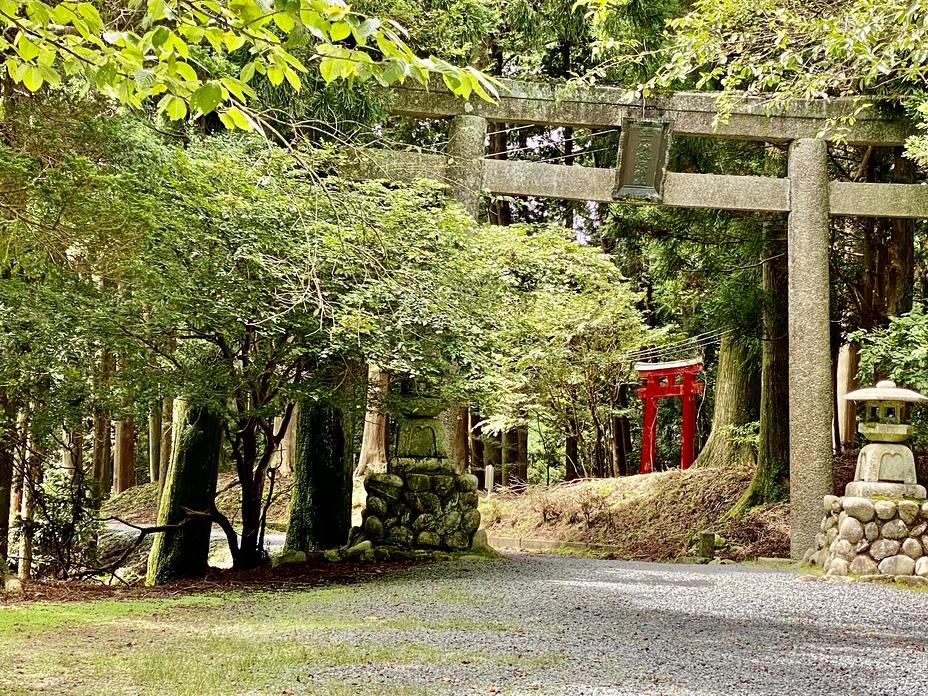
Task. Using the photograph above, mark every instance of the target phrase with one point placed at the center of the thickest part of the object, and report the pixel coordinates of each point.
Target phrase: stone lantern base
(873, 538)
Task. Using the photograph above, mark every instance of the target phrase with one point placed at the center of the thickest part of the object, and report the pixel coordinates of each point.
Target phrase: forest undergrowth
(651, 517)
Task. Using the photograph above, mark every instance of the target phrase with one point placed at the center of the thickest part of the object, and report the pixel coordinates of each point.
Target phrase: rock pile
(422, 506)
(874, 538)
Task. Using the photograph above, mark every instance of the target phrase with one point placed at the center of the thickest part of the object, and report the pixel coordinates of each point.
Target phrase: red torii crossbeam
(669, 379)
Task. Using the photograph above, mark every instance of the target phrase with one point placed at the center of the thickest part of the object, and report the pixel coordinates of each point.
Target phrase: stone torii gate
(806, 195)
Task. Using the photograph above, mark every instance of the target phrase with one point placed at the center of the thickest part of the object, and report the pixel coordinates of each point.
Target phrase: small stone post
(488, 478)
(810, 382)
(707, 545)
(465, 160)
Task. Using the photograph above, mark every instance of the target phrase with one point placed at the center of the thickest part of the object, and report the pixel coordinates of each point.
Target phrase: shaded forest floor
(651, 517)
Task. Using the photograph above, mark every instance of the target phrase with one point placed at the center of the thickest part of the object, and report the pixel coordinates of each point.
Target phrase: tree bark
(7, 456)
(190, 484)
(507, 449)
(460, 445)
(155, 426)
(888, 248)
(373, 457)
(167, 432)
(522, 453)
(320, 502)
(32, 479)
(101, 469)
(476, 442)
(572, 458)
(124, 456)
(286, 451)
(770, 482)
(736, 404)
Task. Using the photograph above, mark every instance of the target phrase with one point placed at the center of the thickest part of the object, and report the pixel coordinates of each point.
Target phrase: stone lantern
(885, 466)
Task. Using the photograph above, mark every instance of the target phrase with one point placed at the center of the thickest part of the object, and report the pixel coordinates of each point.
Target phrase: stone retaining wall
(873, 538)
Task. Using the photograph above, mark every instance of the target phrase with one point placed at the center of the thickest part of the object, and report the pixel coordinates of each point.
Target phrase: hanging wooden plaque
(643, 149)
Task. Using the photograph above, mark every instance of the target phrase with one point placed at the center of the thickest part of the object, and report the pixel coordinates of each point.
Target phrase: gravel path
(546, 624)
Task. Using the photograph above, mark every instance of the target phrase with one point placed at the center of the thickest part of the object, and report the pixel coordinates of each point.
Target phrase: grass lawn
(238, 642)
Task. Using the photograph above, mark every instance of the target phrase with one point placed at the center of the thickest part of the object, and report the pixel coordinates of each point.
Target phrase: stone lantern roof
(885, 390)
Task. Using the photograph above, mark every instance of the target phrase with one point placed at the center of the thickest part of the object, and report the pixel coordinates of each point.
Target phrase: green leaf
(32, 78)
(174, 107)
(340, 31)
(26, 49)
(248, 72)
(328, 68)
(207, 97)
(284, 21)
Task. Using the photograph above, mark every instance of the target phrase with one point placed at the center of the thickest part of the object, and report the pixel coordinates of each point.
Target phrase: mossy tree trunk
(736, 403)
(190, 483)
(770, 482)
(320, 502)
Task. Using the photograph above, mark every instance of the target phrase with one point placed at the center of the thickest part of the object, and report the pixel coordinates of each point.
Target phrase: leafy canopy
(154, 50)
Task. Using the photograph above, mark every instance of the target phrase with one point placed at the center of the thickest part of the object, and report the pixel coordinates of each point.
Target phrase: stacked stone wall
(421, 506)
(874, 538)
(426, 507)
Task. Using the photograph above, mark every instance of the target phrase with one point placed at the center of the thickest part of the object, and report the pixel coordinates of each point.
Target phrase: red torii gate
(676, 378)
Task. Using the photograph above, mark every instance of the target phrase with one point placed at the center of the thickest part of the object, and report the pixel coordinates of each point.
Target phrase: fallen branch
(190, 516)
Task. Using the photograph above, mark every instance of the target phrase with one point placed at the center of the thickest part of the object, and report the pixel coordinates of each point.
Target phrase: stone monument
(878, 529)
(420, 504)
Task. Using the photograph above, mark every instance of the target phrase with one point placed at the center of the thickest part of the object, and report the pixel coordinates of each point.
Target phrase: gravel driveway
(546, 624)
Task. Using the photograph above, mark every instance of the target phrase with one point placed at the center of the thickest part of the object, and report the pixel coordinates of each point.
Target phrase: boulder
(450, 502)
(829, 503)
(921, 566)
(400, 535)
(885, 509)
(863, 565)
(418, 482)
(918, 530)
(872, 531)
(458, 540)
(423, 523)
(883, 548)
(288, 557)
(908, 511)
(449, 522)
(467, 483)
(912, 548)
(387, 486)
(860, 509)
(897, 565)
(470, 521)
(836, 567)
(430, 502)
(375, 506)
(894, 529)
(428, 539)
(373, 528)
(414, 502)
(852, 530)
(468, 499)
(844, 549)
(443, 485)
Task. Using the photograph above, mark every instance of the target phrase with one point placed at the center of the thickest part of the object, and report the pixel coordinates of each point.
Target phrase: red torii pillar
(669, 379)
